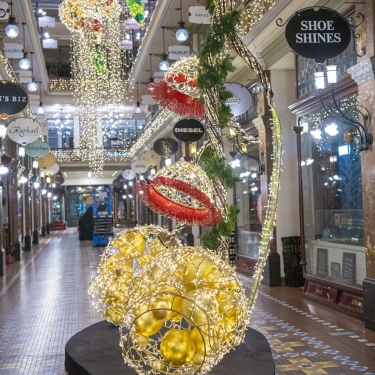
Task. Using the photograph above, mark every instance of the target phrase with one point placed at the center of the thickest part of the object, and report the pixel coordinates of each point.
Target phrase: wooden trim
(311, 101)
(340, 287)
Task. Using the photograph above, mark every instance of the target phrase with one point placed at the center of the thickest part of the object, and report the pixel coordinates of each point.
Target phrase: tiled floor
(44, 301)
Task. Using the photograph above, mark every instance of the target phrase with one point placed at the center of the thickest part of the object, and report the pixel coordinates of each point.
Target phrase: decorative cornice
(363, 71)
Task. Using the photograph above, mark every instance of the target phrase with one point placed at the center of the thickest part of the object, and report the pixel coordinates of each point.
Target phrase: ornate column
(363, 74)
(28, 218)
(35, 214)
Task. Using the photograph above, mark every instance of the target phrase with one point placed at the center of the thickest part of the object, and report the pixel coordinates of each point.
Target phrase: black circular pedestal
(96, 351)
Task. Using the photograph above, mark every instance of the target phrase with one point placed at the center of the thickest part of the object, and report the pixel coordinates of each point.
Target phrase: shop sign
(13, 99)
(4, 10)
(165, 146)
(199, 14)
(188, 130)
(50, 43)
(47, 161)
(139, 167)
(24, 130)
(318, 33)
(37, 149)
(132, 24)
(51, 170)
(176, 52)
(57, 179)
(158, 76)
(128, 174)
(241, 100)
(13, 50)
(126, 44)
(150, 158)
(46, 21)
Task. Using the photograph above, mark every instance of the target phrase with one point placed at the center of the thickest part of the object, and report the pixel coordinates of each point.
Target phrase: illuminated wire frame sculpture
(333, 107)
(181, 191)
(178, 91)
(127, 251)
(186, 309)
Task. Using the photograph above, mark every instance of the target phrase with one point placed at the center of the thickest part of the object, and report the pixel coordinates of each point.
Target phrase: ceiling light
(182, 34)
(32, 86)
(331, 129)
(12, 30)
(24, 63)
(44, 191)
(36, 184)
(235, 163)
(49, 194)
(23, 179)
(35, 164)
(164, 64)
(40, 110)
(21, 151)
(3, 169)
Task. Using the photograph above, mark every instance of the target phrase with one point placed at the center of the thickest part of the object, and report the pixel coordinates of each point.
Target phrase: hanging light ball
(349, 136)
(40, 109)
(24, 63)
(32, 86)
(3, 169)
(164, 64)
(12, 30)
(182, 34)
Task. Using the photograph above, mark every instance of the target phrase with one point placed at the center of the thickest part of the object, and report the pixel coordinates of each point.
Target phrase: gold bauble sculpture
(185, 310)
(127, 251)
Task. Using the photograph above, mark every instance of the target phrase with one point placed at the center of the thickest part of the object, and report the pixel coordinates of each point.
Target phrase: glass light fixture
(317, 133)
(12, 30)
(235, 163)
(138, 108)
(331, 73)
(182, 34)
(3, 169)
(44, 191)
(24, 63)
(332, 129)
(319, 80)
(3, 130)
(35, 164)
(21, 151)
(36, 184)
(40, 110)
(168, 161)
(49, 194)
(32, 86)
(254, 174)
(48, 180)
(23, 179)
(130, 183)
(164, 64)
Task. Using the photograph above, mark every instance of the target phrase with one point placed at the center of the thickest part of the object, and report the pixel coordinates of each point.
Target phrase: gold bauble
(114, 316)
(177, 347)
(145, 324)
(228, 305)
(155, 246)
(144, 259)
(161, 309)
(142, 341)
(213, 275)
(203, 343)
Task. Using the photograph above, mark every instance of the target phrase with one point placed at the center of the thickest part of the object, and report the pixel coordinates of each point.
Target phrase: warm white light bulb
(3, 169)
(332, 129)
(36, 184)
(319, 80)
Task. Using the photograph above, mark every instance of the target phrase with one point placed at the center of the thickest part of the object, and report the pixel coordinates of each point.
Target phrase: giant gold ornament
(127, 251)
(190, 306)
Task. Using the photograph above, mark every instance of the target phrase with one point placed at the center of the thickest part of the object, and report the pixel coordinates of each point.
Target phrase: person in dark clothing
(86, 225)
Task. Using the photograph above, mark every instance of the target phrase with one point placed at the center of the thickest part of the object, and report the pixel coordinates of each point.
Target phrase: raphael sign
(318, 33)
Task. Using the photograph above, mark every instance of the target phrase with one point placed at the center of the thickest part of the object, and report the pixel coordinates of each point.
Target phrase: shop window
(332, 198)
(61, 132)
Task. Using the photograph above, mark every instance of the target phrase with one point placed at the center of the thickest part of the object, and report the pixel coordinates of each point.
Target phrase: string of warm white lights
(61, 84)
(253, 12)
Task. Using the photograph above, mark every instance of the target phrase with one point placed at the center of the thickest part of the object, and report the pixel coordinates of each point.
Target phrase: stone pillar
(28, 218)
(43, 214)
(364, 75)
(35, 216)
(2, 250)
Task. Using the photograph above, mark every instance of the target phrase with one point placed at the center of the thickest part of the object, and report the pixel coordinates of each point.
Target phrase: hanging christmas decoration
(185, 310)
(181, 191)
(126, 252)
(178, 91)
(137, 10)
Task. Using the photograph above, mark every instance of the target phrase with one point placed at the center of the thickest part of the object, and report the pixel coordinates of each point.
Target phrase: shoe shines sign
(13, 99)
(317, 33)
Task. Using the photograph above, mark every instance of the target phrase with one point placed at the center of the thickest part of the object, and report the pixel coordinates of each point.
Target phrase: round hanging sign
(150, 158)
(51, 170)
(37, 149)
(188, 130)
(58, 179)
(117, 183)
(47, 161)
(165, 146)
(241, 100)
(128, 174)
(24, 130)
(318, 33)
(139, 167)
(13, 99)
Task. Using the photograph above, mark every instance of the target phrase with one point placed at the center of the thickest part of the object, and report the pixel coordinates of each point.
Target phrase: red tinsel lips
(207, 215)
(174, 100)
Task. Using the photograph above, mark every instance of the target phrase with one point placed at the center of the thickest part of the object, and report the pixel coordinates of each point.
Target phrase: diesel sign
(188, 130)
(13, 99)
(318, 33)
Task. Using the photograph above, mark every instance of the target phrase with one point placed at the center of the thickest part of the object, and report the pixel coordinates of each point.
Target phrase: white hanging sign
(241, 100)
(199, 14)
(150, 158)
(158, 76)
(176, 52)
(13, 50)
(24, 130)
(4, 10)
(50, 43)
(46, 21)
(139, 167)
(128, 174)
(132, 24)
(147, 100)
(51, 170)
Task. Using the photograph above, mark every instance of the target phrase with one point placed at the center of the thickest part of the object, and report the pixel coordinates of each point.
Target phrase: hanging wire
(152, 75)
